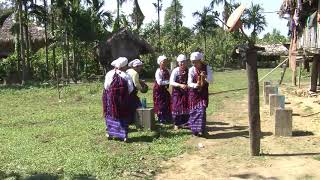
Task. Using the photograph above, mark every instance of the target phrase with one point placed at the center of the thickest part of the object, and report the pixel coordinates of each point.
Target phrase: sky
(190, 6)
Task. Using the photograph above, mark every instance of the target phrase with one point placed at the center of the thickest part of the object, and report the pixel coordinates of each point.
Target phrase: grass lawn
(43, 137)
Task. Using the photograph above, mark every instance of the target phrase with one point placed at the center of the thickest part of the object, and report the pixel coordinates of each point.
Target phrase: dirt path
(225, 154)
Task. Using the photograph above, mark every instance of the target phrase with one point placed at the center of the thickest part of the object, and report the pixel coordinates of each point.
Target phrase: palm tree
(117, 21)
(205, 23)
(226, 7)
(255, 20)
(22, 44)
(158, 6)
(137, 15)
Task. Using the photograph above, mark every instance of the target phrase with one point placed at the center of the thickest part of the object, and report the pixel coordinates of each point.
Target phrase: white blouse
(159, 78)
(109, 77)
(192, 72)
(173, 77)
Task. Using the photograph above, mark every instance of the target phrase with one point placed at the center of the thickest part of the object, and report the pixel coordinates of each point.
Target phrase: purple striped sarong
(161, 100)
(197, 120)
(117, 128)
(198, 102)
(179, 99)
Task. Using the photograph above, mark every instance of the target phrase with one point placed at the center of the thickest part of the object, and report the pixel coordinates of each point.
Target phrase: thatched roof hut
(273, 50)
(123, 43)
(7, 38)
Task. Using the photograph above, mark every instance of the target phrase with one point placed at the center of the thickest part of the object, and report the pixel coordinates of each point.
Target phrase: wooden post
(276, 101)
(294, 77)
(253, 102)
(314, 73)
(283, 122)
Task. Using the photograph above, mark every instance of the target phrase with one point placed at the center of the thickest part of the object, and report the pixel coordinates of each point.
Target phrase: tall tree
(173, 21)
(117, 21)
(226, 7)
(158, 6)
(255, 19)
(22, 44)
(205, 24)
(137, 15)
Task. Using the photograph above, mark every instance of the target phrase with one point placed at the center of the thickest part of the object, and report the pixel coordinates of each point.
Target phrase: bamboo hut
(304, 27)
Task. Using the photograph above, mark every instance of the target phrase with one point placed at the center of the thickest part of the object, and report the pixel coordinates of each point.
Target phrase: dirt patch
(225, 153)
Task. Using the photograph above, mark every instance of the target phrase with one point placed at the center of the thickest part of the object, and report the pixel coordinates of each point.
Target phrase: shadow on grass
(84, 177)
(217, 123)
(237, 128)
(231, 90)
(234, 134)
(302, 133)
(253, 176)
(42, 176)
(292, 154)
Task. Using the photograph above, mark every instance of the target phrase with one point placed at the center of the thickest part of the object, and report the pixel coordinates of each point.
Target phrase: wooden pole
(300, 71)
(314, 73)
(253, 102)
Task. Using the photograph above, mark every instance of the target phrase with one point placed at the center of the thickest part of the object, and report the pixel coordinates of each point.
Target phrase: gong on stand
(249, 52)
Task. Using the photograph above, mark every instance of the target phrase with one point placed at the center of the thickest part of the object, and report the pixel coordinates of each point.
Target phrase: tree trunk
(23, 60)
(159, 28)
(74, 59)
(27, 41)
(253, 102)
(314, 73)
(46, 37)
(176, 27)
(17, 41)
(53, 36)
(118, 14)
(205, 45)
(67, 49)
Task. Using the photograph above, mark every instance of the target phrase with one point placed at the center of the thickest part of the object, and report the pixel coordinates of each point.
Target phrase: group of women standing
(185, 106)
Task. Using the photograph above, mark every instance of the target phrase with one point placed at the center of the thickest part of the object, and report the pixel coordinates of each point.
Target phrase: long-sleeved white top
(175, 72)
(192, 72)
(160, 79)
(109, 78)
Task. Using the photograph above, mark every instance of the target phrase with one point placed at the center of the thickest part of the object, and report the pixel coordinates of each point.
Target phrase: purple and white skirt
(197, 120)
(117, 128)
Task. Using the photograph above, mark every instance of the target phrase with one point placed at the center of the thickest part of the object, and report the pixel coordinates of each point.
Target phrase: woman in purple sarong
(161, 95)
(179, 96)
(199, 76)
(117, 87)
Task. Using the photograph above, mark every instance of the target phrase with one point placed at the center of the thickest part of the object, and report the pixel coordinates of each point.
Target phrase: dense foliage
(73, 27)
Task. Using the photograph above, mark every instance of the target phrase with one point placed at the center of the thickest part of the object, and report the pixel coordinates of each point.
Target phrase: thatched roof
(122, 43)
(6, 35)
(273, 50)
(126, 35)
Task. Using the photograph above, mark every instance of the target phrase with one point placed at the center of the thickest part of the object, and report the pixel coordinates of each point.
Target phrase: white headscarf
(181, 58)
(161, 58)
(135, 63)
(120, 62)
(196, 56)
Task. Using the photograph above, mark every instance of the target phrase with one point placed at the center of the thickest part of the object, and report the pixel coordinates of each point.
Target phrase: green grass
(43, 137)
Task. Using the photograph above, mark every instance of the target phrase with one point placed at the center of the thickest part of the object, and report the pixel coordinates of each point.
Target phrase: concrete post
(276, 101)
(269, 90)
(145, 118)
(283, 122)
